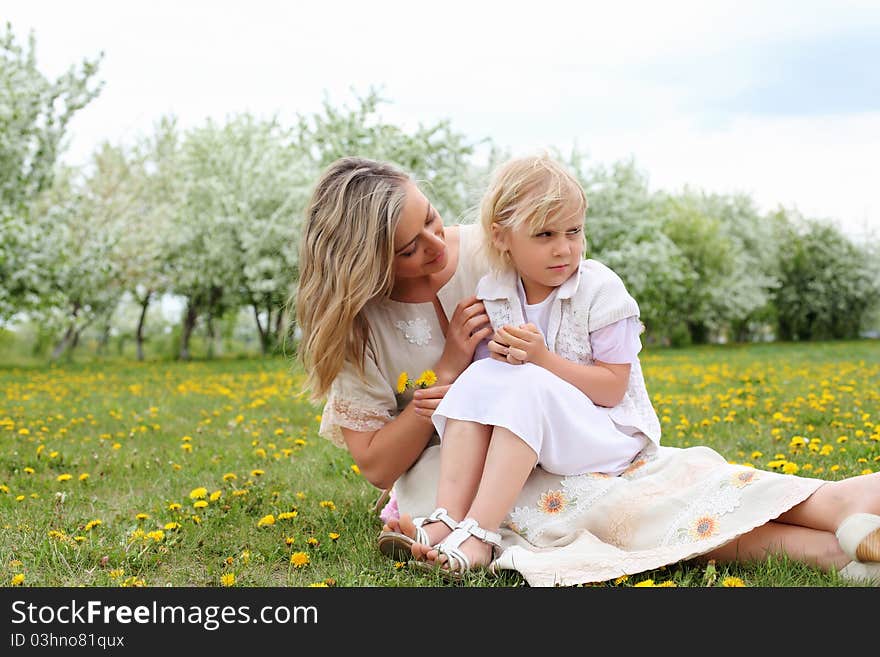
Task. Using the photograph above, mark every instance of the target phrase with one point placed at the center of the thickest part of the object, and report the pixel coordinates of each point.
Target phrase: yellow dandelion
(318, 585)
(228, 579)
(299, 559)
(257, 473)
(216, 495)
(29, 470)
(355, 469)
(266, 521)
(199, 493)
(732, 582)
(230, 476)
(172, 526)
(333, 536)
(402, 382)
(142, 516)
(426, 379)
(84, 476)
(174, 506)
(289, 540)
(312, 541)
(91, 524)
(328, 504)
(64, 477)
(18, 580)
(200, 504)
(645, 583)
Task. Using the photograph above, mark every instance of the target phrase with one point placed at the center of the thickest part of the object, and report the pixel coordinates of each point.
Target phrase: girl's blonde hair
(531, 191)
(346, 259)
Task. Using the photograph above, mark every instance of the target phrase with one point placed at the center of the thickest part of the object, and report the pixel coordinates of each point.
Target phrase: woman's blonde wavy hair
(346, 259)
(532, 191)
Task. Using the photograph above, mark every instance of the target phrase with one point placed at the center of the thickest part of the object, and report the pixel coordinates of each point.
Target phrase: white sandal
(457, 561)
(859, 537)
(398, 545)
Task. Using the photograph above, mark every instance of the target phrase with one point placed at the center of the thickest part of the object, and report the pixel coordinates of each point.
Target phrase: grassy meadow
(211, 473)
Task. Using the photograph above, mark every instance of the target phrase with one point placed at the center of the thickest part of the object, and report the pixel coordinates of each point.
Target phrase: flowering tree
(34, 115)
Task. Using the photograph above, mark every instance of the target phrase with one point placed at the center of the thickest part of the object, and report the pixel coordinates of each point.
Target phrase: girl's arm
(604, 383)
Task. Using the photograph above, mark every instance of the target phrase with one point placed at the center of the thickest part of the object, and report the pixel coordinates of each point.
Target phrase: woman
(385, 288)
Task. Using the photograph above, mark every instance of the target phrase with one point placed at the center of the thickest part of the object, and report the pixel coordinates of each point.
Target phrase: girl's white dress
(569, 433)
(670, 503)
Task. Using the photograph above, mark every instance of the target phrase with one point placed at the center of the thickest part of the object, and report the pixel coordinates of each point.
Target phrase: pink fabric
(617, 343)
(390, 510)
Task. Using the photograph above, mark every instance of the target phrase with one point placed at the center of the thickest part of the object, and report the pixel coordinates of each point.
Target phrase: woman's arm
(384, 455)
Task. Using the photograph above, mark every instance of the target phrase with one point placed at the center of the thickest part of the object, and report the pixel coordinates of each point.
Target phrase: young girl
(562, 387)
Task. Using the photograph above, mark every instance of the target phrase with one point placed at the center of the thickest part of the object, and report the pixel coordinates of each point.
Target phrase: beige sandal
(859, 537)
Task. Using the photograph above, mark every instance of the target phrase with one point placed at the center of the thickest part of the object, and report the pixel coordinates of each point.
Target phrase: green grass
(127, 426)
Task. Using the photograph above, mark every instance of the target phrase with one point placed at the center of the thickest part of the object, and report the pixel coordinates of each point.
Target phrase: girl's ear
(499, 238)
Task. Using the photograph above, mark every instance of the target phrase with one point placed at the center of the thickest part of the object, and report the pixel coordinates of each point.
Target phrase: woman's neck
(415, 290)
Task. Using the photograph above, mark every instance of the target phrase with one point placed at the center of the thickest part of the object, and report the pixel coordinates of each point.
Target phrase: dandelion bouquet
(426, 379)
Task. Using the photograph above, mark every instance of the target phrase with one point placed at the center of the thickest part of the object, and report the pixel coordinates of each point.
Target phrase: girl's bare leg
(508, 463)
(462, 455)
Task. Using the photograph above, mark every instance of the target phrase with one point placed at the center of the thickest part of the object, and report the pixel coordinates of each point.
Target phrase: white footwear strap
(437, 515)
(450, 547)
(473, 528)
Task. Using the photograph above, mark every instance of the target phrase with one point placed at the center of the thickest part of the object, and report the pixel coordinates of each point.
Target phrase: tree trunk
(139, 335)
(69, 334)
(189, 323)
(260, 329)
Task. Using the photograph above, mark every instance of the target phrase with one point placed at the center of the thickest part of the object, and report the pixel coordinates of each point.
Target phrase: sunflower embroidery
(744, 478)
(416, 331)
(703, 527)
(553, 501)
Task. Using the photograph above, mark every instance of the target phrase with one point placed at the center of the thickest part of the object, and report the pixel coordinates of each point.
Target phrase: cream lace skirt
(670, 505)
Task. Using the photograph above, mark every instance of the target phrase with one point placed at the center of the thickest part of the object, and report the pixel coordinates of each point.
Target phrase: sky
(777, 100)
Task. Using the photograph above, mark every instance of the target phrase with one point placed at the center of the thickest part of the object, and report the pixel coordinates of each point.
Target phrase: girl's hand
(425, 401)
(467, 327)
(525, 343)
(500, 351)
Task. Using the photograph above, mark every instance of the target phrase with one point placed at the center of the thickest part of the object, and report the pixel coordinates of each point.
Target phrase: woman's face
(419, 244)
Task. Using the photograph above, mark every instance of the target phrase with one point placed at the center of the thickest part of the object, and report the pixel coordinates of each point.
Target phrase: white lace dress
(670, 504)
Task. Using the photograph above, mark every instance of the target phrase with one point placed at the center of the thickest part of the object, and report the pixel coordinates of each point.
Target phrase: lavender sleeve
(617, 343)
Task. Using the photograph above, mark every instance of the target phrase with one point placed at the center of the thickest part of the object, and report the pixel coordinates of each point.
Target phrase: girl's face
(544, 257)
(419, 244)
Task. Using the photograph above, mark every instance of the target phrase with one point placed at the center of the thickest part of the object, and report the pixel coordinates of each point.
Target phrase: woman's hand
(518, 345)
(467, 327)
(426, 400)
